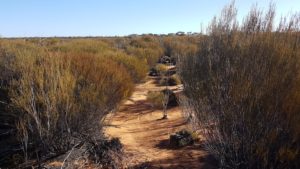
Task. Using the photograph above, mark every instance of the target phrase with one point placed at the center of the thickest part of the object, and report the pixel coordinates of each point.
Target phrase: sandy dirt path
(145, 136)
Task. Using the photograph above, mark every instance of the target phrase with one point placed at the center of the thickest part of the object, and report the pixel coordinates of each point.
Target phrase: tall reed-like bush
(243, 88)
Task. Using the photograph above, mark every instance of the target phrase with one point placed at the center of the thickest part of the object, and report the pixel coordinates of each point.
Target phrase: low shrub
(156, 99)
(146, 47)
(172, 100)
(165, 60)
(178, 46)
(106, 153)
(158, 70)
(161, 69)
(170, 81)
(182, 138)
(88, 46)
(153, 72)
(171, 71)
(137, 68)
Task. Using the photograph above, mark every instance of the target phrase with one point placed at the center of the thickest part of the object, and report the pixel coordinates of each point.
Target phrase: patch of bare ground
(145, 136)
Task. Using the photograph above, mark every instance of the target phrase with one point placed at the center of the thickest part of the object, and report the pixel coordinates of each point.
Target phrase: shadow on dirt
(203, 162)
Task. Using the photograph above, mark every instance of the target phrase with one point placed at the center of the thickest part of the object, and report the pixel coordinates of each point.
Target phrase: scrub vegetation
(243, 86)
(238, 85)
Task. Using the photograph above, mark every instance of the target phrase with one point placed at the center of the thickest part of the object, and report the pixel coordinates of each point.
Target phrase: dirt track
(145, 136)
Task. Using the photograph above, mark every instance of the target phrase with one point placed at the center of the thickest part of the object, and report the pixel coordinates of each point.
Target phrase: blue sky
(27, 18)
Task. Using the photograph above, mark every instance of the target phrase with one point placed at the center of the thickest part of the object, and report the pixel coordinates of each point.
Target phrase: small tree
(167, 94)
(165, 103)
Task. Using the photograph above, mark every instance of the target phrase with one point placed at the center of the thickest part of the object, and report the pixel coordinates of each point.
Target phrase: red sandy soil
(145, 136)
